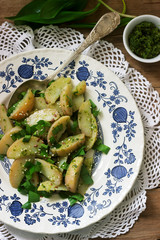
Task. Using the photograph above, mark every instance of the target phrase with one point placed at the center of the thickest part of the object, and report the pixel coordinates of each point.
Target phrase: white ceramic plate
(120, 127)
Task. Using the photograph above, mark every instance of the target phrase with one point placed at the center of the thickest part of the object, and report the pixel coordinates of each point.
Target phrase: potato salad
(50, 135)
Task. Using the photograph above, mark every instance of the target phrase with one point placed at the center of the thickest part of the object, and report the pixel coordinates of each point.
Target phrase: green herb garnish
(26, 138)
(99, 146)
(94, 110)
(2, 156)
(85, 176)
(1, 135)
(79, 152)
(18, 135)
(72, 197)
(33, 197)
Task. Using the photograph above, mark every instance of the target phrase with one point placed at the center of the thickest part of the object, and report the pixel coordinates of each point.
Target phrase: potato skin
(69, 145)
(73, 173)
(53, 92)
(84, 118)
(20, 149)
(24, 107)
(5, 122)
(51, 172)
(16, 173)
(7, 140)
(80, 88)
(66, 100)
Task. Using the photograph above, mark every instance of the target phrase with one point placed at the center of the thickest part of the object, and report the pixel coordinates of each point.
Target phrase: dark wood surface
(148, 225)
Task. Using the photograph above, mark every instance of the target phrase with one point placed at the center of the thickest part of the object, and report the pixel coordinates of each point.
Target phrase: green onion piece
(27, 205)
(64, 166)
(26, 138)
(2, 156)
(57, 129)
(18, 135)
(72, 197)
(86, 176)
(50, 83)
(74, 126)
(21, 95)
(99, 146)
(94, 110)
(79, 152)
(11, 109)
(33, 197)
(44, 150)
(1, 135)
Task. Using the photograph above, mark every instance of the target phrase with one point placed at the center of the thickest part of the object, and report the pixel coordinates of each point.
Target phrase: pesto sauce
(144, 40)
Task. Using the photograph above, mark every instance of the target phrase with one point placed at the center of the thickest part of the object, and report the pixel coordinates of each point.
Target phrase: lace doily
(18, 39)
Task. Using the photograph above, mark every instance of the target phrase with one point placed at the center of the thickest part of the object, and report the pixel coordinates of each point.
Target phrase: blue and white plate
(120, 127)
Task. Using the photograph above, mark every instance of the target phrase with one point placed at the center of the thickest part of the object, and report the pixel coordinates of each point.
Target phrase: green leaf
(86, 176)
(27, 205)
(1, 135)
(124, 21)
(62, 17)
(33, 197)
(94, 110)
(52, 7)
(79, 152)
(26, 138)
(101, 147)
(72, 197)
(2, 157)
(18, 135)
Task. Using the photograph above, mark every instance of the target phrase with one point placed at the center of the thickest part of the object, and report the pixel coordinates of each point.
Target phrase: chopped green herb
(79, 152)
(72, 197)
(2, 157)
(27, 205)
(33, 197)
(57, 129)
(26, 138)
(11, 109)
(69, 101)
(86, 176)
(1, 135)
(38, 93)
(94, 110)
(101, 147)
(21, 95)
(18, 135)
(50, 83)
(44, 150)
(64, 166)
(74, 126)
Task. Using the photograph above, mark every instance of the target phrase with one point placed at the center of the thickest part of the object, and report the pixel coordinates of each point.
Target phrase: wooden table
(148, 225)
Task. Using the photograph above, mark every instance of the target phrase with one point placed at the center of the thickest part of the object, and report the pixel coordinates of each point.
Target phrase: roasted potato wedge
(53, 92)
(51, 171)
(56, 106)
(16, 173)
(69, 145)
(89, 142)
(49, 115)
(66, 100)
(24, 107)
(73, 173)
(77, 102)
(7, 140)
(62, 124)
(84, 118)
(48, 186)
(80, 88)
(21, 149)
(5, 122)
(40, 103)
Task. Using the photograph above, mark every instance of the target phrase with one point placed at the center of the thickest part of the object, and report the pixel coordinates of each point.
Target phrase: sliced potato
(89, 142)
(82, 187)
(73, 173)
(16, 173)
(24, 107)
(53, 92)
(51, 171)
(84, 118)
(49, 115)
(69, 145)
(62, 124)
(7, 140)
(40, 103)
(56, 106)
(66, 100)
(48, 186)
(80, 88)
(76, 102)
(21, 149)
(5, 122)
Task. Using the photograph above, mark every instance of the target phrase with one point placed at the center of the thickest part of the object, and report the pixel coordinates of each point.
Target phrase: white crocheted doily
(18, 39)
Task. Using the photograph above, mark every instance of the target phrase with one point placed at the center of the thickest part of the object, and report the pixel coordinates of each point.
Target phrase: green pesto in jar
(144, 40)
